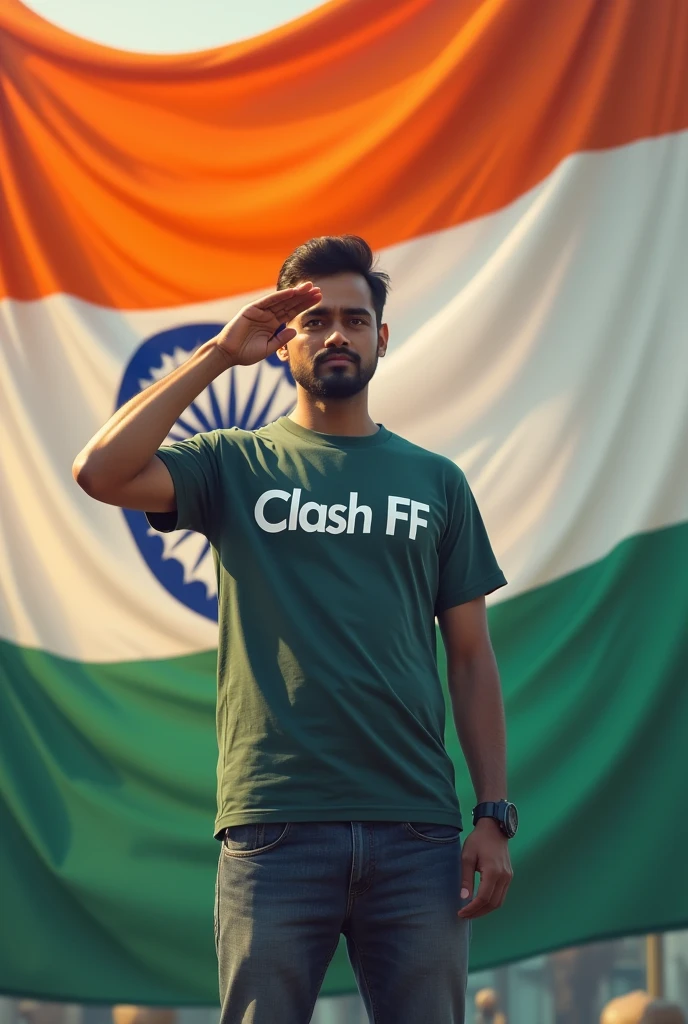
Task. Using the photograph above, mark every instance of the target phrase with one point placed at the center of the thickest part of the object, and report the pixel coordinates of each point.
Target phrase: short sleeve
(193, 465)
(468, 567)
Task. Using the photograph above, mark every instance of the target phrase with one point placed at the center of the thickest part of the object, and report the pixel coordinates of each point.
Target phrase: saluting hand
(251, 336)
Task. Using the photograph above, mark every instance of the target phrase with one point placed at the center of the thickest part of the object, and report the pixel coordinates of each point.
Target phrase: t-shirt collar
(334, 440)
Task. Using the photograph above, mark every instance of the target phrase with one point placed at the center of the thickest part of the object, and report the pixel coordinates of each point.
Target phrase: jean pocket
(433, 833)
(251, 840)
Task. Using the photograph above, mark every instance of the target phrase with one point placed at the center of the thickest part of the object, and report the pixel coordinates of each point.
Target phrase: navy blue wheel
(246, 397)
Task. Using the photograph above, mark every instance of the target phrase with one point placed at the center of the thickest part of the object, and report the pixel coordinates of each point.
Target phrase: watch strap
(490, 809)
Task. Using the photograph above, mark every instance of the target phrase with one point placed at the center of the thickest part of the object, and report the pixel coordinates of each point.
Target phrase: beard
(322, 381)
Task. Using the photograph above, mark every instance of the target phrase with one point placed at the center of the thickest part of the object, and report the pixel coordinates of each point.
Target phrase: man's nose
(337, 340)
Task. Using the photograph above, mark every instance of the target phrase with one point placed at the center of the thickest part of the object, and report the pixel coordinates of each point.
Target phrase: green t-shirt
(333, 556)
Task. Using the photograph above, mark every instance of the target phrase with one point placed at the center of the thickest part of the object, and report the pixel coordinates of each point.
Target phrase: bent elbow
(83, 476)
(79, 471)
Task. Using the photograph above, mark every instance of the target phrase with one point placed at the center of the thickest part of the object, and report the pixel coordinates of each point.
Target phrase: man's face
(335, 351)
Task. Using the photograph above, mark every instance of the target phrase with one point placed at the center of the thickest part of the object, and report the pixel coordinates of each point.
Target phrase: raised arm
(118, 465)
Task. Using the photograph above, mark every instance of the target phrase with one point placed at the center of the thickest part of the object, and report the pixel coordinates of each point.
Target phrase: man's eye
(309, 323)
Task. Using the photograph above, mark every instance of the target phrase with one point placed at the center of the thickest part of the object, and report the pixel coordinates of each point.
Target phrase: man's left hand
(486, 851)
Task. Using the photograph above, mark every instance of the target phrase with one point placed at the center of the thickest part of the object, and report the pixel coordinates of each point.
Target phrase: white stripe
(544, 347)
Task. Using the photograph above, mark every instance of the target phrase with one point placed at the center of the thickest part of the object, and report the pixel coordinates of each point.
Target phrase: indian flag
(522, 170)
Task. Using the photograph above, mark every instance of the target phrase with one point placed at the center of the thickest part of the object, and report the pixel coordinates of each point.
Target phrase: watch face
(511, 821)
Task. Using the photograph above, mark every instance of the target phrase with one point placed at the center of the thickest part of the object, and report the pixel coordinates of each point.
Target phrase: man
(337, 544)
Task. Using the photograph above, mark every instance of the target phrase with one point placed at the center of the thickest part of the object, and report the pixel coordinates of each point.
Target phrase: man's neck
(347, 417)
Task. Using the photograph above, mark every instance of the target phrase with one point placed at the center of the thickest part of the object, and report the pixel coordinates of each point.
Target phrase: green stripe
(107, 779)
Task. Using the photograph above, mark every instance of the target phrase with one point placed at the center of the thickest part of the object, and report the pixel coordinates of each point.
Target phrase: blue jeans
(285, 893)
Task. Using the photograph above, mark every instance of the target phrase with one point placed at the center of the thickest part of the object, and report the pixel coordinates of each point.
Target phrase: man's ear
(283, 354)
(382, 340)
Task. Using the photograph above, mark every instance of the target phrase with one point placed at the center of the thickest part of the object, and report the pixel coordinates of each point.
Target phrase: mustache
(329, 353)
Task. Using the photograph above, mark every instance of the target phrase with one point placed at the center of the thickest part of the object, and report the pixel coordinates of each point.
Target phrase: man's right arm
(119, 465)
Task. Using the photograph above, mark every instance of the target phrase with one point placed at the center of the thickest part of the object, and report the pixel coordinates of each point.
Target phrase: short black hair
(335, 254)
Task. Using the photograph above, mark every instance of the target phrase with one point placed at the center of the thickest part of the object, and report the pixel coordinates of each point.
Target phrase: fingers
(469, 866)
(490, 895)
(289, 302)
(499, 894)
(480, 904)
(284, 295)
(281, 337)
(284, 336)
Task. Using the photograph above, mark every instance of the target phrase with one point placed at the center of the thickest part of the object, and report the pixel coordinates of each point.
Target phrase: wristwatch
(504, 813)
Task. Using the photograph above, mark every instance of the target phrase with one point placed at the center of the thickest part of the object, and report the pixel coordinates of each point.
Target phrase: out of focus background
(521, 169)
